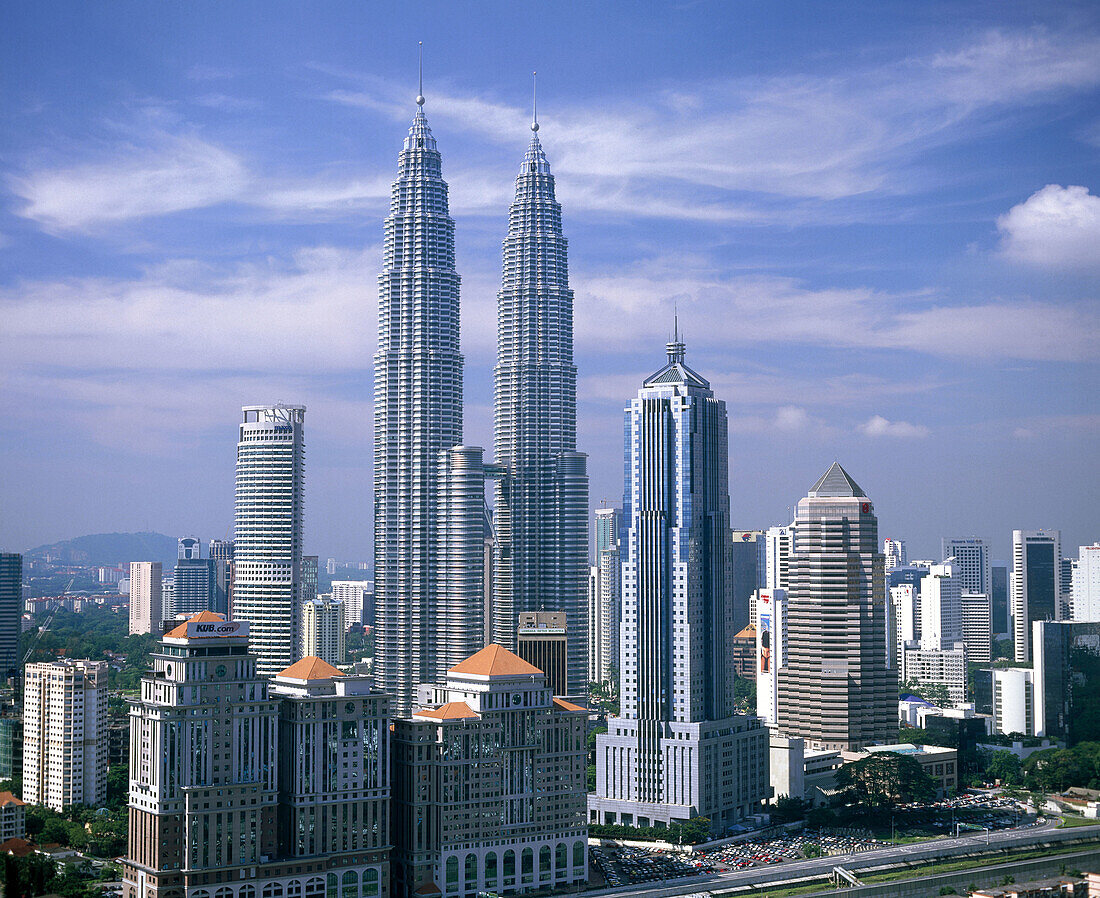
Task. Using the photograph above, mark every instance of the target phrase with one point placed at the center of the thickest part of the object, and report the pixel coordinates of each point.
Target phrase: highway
(779, 873)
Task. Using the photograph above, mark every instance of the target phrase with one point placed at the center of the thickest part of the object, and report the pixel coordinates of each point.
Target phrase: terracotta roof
(495, 661)
(449, 711)
(6, 798)
(309, 668)
(748, 633)
(568, 706)
(428, 888)
(181, 630)
(18, 847)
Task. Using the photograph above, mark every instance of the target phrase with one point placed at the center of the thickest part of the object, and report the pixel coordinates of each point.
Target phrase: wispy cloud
(878, 426)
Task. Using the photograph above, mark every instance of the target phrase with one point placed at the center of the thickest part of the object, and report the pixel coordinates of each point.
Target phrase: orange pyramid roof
(7, 798)
(495, 661)
(449, 711)
(202, 616)
(748, 633)
(309, 668)
(562, 705)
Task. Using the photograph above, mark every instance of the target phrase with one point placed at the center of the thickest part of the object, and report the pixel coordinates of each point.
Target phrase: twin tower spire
(441, 593)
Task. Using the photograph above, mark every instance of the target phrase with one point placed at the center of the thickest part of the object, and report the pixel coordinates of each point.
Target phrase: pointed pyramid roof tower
(495, 661)
(309, 669)
(836, 483)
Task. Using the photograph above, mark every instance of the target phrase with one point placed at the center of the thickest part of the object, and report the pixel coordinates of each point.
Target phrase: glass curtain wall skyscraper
(417, 413)
(542, 496)
(267, 552)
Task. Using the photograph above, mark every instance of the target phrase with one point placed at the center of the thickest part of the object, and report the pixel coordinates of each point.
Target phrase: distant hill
(111, 548)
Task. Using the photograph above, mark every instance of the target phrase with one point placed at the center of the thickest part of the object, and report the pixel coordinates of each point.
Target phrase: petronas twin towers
(430, 520)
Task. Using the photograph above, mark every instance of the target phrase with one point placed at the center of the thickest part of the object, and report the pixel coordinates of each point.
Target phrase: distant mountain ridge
(110, 549)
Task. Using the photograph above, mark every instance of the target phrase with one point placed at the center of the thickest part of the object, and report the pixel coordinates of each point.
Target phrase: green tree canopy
(884, 779)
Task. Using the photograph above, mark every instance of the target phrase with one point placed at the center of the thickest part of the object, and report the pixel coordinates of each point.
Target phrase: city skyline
(153, 235)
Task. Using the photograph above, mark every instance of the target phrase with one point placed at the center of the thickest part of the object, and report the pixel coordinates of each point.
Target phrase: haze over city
(879, 231)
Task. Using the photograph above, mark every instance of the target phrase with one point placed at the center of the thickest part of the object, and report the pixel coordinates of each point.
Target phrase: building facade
(941, 618)
(323, 629)
(749, 572)
(1086, 584)
(1014, 700)
(1062, 651)
(11, 611)
(417, 412)
(358, 599)
(605, 596)
(973, 562)
(678, 749)
(777, 556)
(1036, 584)
(771, 652)
(894, 553)
(836, 690)
(944, 666)
(146, 597)
(241, 787)
(267, 546)
(542, 641)
(977, 627)
(489, 786)
(65, 733)
(195, 580)
(541, 503)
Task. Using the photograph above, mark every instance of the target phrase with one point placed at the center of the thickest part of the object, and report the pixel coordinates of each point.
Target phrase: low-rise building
(13, 817)
(940, 763)
(1014, 700)
(489, 785)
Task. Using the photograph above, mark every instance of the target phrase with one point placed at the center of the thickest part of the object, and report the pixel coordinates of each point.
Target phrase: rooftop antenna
(534, 102)
(420, 93)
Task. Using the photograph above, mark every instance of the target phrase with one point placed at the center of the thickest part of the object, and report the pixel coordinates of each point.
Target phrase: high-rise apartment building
(489, 785)
(777, 556)
(417, 413)
(1036, 583)
(1086, 584)
(358, 599)
(943, 666)
(146, 597)
(323, 629)
(541, 502)
(195, 581)
(267, 546)
(771, 651)
(309, 578)
(542, 642)
(242, 786)
(65, 733)
(11, 611)
(894, 554)
(941, 621)
(677, 749)
(977, 627)
(221, 553)
(605, 596)
(837, 691)
(973, 563)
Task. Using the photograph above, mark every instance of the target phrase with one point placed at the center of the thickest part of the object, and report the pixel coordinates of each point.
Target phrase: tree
(788, 809)
(1004, 766)
(884, 779)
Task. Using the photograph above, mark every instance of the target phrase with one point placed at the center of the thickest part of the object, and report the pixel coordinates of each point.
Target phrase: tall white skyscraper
(837, 691)
(267, 550)
(65, 733)
(770, 621)
(941, 608)
(417, 413)
(1036, 583)
(893, 551)
(542, 499)
(677, 749)
(358, 599)
(777, 556)
(1086, 584)
(604, 604)
(323, 629)
(973, 562)
(146, 597)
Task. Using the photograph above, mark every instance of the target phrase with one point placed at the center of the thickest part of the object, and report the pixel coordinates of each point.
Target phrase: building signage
(217, 628)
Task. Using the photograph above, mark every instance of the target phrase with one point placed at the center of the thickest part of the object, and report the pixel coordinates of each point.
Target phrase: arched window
(561, 857)
(471, 870)
(452, 873)
(293, 889)
(272, 890)
(490, 868)
(350, 888)
(201, 893)
(544, 861)
(333, 889)
(370, 883)
(528, 865)
(315, 888)
(250, 891)
(509, 867)
(224, 892)
(578, 854)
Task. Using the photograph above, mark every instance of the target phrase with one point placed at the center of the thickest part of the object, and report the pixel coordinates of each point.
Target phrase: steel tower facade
(542, 496)
(417, 413)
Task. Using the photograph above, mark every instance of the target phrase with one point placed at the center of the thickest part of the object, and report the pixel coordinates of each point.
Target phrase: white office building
(1014, 700)
(944, 666)
(358, 599)
(973, 562)
(770, 621)
(146, 597)
(977, 626)
(1086, 584)
(893, 550)
(65, 733)
(267, 550)
(940, 607)
(777, 556)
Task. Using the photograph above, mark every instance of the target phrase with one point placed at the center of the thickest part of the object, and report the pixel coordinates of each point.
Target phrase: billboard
(217, 628)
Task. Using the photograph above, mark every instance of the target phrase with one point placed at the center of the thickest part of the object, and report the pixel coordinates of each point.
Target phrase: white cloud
(1056, 227)
(878, 426)
(170, 174)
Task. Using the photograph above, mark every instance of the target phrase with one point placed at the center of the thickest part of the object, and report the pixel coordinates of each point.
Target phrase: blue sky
(880, 223)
